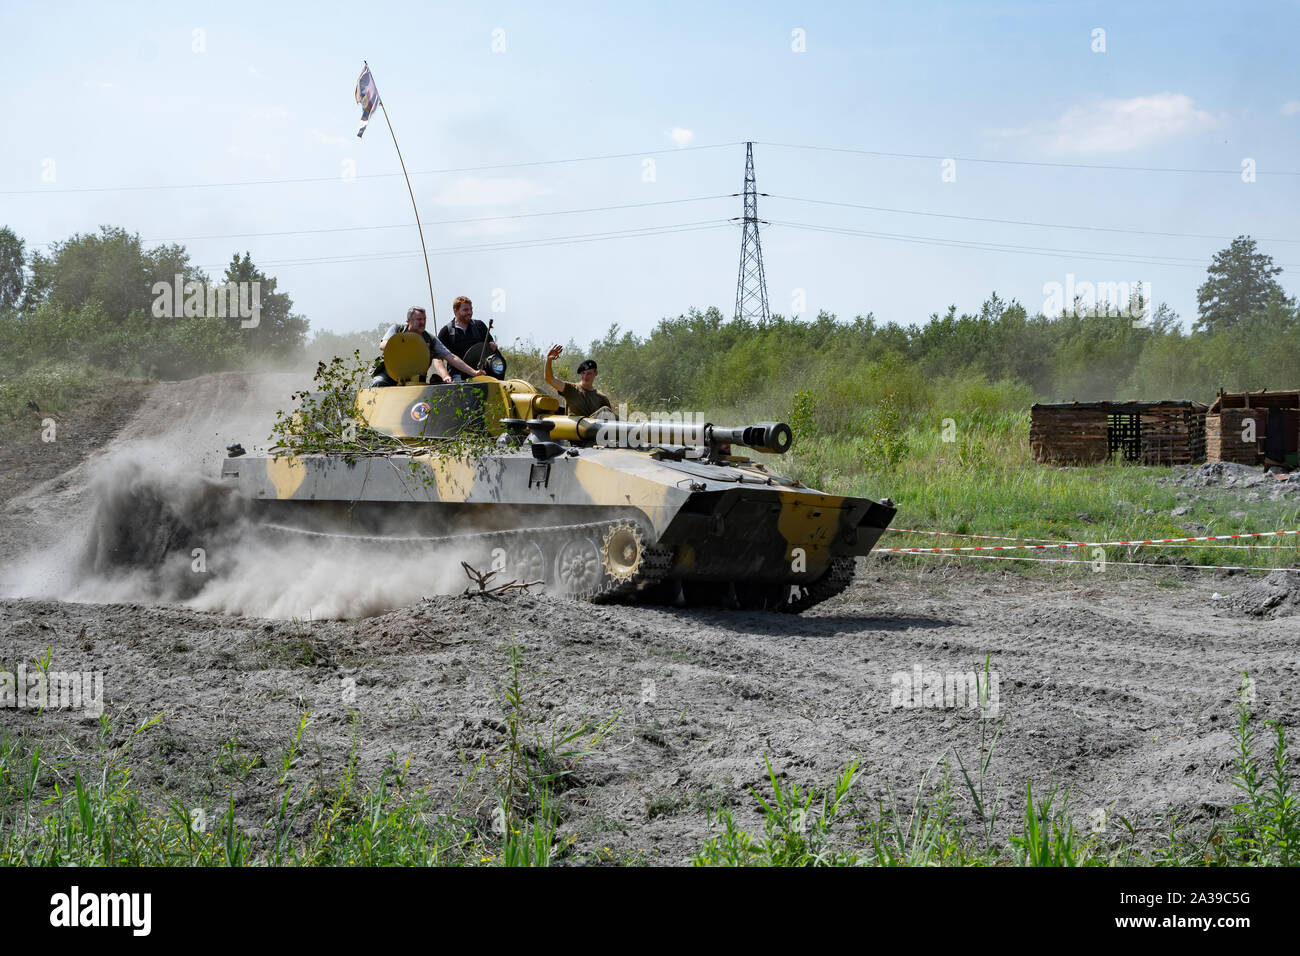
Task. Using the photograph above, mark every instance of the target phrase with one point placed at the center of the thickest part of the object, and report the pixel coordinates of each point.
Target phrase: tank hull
(587, 506)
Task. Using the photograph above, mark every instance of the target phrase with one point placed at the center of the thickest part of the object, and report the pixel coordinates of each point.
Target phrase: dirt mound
(1278, 595)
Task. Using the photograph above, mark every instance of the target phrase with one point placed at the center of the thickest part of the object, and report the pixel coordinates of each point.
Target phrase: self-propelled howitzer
(656, 511)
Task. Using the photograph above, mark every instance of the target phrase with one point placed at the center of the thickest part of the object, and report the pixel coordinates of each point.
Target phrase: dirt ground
(79, 432)
(1119, 687)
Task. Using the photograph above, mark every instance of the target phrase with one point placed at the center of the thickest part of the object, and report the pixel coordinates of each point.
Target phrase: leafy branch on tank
(327, 421)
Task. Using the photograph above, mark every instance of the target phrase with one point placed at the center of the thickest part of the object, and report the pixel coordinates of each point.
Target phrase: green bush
(140, 344)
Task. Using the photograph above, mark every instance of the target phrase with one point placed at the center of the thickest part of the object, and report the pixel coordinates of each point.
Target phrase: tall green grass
(53, 813)
(98, 813)
(94, 811)
(811, 826)
(985, 482)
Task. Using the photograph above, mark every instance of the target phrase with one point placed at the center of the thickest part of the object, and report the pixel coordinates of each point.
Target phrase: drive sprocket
(622, 551)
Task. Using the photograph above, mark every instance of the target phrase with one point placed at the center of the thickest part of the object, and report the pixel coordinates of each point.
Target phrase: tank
(654, 511)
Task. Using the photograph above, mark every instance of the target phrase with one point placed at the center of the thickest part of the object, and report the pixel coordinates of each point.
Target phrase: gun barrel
(774, 437)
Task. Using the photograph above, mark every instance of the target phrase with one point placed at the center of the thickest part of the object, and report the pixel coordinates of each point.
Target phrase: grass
(798, 827)
(535, 762)
(53, 813)
(984, 482)
(98, 813)
(58, 390)
(824, 826)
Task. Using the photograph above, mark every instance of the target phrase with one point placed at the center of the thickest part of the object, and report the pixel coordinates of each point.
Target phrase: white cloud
(1291, 108)
(254, 72)
(680, 136)
(1114, 125)
(474, 191)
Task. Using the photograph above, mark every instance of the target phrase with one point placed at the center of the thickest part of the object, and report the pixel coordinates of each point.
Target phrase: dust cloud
(157, 532)
(149, 521)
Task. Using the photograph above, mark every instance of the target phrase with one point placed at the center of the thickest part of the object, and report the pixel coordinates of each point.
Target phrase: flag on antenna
(367, 96)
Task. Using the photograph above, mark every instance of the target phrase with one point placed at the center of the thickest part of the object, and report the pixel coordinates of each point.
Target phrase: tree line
(1246, 335)
(92, 299)
(102, 299)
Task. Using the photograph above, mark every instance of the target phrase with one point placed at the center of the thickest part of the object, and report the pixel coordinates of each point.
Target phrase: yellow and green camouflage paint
(723, 517)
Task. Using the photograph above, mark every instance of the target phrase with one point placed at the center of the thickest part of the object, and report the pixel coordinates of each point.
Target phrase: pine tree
(12, 277)
(1240, 282)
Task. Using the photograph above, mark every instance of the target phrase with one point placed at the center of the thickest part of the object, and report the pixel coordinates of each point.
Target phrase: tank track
(836, 579)
(655, 564)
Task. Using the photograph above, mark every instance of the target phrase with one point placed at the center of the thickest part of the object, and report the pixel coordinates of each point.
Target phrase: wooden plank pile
(1155, 433)
(1224, 433)
(1068, 434)
(1230, 415)
(1173, 434)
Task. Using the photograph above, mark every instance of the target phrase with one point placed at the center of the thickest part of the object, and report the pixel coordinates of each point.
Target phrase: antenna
(367, 94)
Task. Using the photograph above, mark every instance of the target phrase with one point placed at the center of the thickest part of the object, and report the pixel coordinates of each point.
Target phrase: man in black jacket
(464, 331)
(416, 320)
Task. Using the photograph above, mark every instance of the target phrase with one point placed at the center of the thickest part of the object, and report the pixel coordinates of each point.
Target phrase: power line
(500, 246)
(1181, 262)
(647, 152)
(1026, 162)
(443, 222)
(1015, 222)
(337, 179)
(508, 245)
(670, 202)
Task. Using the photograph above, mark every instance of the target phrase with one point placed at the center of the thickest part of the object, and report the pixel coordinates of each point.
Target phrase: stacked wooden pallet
(1227, 434)
(1155, 433)
(1173, 434)
(1068, 434)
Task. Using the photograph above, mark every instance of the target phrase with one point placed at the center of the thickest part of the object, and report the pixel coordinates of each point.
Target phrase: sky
(579, 165)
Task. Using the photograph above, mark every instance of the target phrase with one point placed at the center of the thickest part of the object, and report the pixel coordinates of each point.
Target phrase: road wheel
(577, 568)
(526, 562)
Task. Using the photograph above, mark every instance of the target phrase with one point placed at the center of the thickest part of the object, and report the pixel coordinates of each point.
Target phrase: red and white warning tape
(957, 534)
(1132, 564)
(1250, 547)
(1085, 544)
